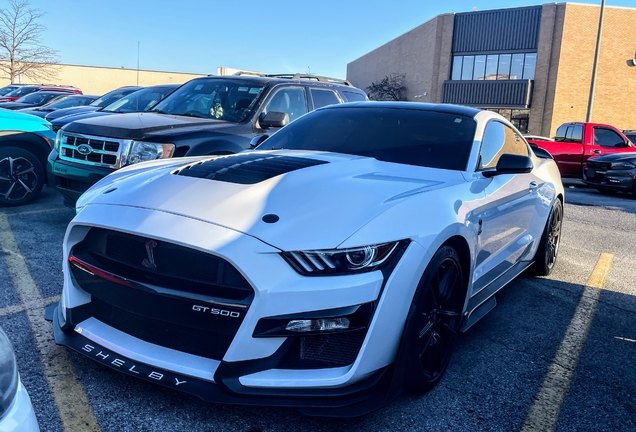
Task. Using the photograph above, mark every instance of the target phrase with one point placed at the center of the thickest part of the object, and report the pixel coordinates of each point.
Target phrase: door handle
(533, 185)
(596, 151)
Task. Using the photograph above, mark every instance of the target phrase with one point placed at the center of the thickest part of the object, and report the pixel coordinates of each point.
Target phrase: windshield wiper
(189, 114)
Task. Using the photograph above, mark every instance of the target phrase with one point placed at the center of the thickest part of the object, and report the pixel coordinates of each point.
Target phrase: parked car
(34, 100)
(631, 135)
(25, 142)
(327, 270)
(67, 102)
(209, 115)
(612, 173)
(102, 101)
(9, 88)
(575, 143)
(16, 410)
(140, 100)
(25, 90)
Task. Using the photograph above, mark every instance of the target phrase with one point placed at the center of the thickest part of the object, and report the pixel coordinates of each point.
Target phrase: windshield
(112, 96)
(21, 91)
(67, 102)
(141, 100)
(40, 98)
(223, 99)
(6, 90)
(407, 136)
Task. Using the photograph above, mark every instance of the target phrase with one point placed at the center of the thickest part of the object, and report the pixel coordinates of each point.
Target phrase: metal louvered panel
(488, 94)
(246, 168)
(499, 30)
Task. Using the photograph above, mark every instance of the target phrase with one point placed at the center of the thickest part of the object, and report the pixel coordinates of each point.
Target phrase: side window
(560, 133)
(290, 100)
(607, 138)
(574, 133)
(353, 97)
(499, 139)
(323, 98)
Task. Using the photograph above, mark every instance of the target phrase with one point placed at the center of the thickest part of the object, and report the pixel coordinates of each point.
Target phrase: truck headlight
(8, 374)
(141, 151)
(58, 140)
(623, 166)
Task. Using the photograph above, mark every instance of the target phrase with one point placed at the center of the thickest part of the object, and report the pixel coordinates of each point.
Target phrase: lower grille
(74, 185)
(195, 341)
(599, 165)
(323, 351)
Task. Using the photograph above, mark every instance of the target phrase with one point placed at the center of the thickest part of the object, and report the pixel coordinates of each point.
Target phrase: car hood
(615, 157)
(140, 125)
(81, 116)
(63, 112)
(318, 206)
(34, 111)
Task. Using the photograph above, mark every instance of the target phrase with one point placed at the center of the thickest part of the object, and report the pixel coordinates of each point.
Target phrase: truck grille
(91, 150)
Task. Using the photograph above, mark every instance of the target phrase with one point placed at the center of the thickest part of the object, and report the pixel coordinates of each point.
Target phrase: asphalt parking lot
(556, 352)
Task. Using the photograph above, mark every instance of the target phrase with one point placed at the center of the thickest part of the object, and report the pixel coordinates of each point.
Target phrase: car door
(288, 99)
(606, 141)
(509, 210)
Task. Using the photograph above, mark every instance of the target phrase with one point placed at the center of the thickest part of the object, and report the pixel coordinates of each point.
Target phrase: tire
(634, 189)
(21, 177)
(546, 256)
(432, 329)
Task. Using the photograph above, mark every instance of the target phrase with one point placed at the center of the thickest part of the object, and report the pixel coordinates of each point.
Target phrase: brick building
(532, 64)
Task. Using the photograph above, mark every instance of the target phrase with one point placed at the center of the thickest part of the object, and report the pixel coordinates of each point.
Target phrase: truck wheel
(21, 176)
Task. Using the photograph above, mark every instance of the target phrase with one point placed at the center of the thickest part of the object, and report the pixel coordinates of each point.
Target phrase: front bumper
(250, 371)
(20, 417)
(619, 180)
(72, 179)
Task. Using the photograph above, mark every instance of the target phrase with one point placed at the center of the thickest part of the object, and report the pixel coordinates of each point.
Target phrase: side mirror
(621, 145)
(274, 119)
(257, 140)
(511, 164)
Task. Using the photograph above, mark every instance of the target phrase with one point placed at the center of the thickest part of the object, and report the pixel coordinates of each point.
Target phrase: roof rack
(298, 76)
(311, 77)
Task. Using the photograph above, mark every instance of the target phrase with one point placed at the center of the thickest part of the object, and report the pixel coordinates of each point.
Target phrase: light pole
(590, 100)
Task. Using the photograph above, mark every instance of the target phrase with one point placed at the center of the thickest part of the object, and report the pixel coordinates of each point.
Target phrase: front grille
(104, 151)
(249, 168)
(196, 341)
(599, 165)
(175, 267)
(323, 351)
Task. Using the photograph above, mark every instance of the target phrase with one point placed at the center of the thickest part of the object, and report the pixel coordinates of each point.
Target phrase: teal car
(25, 142)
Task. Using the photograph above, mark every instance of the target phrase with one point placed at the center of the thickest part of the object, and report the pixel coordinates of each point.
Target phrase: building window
(494, 67)
(467, 67)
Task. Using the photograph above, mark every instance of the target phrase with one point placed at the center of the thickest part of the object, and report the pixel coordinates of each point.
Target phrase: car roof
(443, 108)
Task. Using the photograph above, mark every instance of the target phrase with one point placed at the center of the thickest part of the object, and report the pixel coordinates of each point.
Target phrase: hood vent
(246, 168)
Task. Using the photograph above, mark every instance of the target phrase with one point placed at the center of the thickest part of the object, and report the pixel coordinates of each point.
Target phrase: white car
(327, 270)
(16, 411)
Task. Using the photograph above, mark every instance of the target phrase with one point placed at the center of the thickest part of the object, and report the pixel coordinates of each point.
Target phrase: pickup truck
(575, 143)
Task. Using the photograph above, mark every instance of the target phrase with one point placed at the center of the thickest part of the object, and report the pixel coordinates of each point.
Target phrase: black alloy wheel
(546, 256)
(435, 323)
(21, 176)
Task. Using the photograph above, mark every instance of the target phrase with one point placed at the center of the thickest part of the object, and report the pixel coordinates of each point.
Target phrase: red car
(575, 143)
(25, 90)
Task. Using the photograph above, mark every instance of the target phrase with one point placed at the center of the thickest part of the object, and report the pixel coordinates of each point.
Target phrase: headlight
(58, 140)
(141, 151)
(341, 261)
(8, 374)
(623, 166)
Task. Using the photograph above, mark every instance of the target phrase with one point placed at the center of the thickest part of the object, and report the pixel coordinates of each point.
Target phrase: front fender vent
(246, 168)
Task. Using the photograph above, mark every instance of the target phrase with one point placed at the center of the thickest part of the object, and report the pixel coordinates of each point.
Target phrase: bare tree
(389, 88)
(21, 49)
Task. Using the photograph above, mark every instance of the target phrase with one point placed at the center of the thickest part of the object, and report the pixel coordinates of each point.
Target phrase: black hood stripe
(246, 168)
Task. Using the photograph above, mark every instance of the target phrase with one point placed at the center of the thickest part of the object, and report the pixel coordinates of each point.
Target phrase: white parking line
(38, 304)
(544, 412)
(71, 401)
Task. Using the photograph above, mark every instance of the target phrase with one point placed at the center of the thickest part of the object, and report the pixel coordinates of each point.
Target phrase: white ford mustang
(329, 269)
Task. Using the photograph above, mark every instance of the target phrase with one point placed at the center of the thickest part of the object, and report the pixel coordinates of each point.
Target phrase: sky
(197, 36)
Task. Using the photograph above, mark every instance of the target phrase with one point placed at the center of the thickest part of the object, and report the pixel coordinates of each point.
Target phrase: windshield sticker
(243, 89)
(255, 90)
(198, 87)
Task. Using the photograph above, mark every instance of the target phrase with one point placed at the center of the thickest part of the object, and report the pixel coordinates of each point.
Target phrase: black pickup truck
(211, 115)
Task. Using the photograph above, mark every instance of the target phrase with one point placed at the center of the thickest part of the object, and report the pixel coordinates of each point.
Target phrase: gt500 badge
(215, 311)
